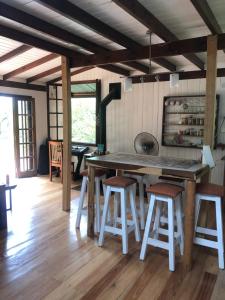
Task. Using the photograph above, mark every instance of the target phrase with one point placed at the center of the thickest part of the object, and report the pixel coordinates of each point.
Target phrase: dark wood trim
(182, 76)
(44, 74)
(37, 42)
(31, 65)
(15, 52)
(31, 21)
(23, 85)
(187, 46)
(75, 13)
(207, 15)
(116, 69)
(145, 17)
(81, 70)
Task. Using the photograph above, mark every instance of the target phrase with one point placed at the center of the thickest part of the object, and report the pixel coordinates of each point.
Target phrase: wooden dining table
(189, 170)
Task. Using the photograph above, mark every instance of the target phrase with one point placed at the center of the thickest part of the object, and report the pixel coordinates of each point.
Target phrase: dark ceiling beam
(31, 21)
(115, 69)
(23, 85)
(44, 74)
(30, 66)
(193, 45)
(15, 52)
(76, 14)
(207, 15)
(145, 17)
(182, 76)
(37, 42)
(81, 70)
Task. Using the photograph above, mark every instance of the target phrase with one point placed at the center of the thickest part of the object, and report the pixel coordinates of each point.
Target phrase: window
(84, 106)
(85, 101)
(83, 120)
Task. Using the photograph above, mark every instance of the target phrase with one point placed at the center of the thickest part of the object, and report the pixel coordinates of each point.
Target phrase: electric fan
(146, 143)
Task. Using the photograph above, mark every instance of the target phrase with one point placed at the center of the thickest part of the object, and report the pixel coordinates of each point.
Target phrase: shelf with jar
(183, 121)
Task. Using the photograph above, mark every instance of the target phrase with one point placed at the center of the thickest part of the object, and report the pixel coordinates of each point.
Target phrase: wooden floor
(42, 256)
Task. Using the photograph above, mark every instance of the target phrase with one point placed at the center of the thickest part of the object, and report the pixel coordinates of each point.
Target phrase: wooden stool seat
(98, 172)
(210, 189)
(165, 189)
(119, 181)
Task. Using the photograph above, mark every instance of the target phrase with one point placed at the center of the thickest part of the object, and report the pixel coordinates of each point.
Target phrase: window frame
(96, 94)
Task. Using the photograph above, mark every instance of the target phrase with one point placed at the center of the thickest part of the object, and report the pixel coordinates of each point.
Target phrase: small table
(3, 209)
(189, 170)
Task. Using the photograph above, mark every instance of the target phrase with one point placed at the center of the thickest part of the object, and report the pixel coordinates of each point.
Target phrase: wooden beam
(81, 70)
(187, 46)
(166, 76)
(29, 66)
(37, 42)
(210, 108)
(115, 69)
(44, 74)
(207, 15)
(23, 85)
(15, 52)
(145, 17)
(75, 13)
(66, 93)
(31, 21)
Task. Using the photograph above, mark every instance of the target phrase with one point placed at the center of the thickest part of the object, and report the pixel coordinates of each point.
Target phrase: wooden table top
(184, 168)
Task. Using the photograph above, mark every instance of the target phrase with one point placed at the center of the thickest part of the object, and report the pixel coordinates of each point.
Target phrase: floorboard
(43, 256)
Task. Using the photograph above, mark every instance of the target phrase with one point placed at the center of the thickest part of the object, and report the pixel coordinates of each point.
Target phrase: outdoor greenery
(84, 120)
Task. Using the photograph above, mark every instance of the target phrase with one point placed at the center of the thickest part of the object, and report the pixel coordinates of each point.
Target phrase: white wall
(40, 110)
(141, 110)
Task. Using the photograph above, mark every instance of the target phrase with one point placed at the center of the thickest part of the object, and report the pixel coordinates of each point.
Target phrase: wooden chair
(55, 157)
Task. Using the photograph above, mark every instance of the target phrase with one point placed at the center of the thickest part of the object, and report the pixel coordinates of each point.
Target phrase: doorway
(7, 157)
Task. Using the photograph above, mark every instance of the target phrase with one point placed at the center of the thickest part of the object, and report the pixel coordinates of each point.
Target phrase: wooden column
(210, 90)
(66, 94)
(3, 212)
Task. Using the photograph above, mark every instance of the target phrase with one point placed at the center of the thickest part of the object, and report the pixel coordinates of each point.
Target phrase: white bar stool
(142, 179)
(100, 175)
(168, 193)
(214, 193)
(121, 185)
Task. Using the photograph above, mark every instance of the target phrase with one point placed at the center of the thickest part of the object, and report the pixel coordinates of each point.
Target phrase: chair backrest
(55, 153)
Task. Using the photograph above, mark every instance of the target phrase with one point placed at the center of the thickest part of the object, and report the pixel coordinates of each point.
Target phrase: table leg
(189, 224)
(91, 202)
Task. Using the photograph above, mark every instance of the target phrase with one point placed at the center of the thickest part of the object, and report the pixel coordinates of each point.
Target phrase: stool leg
(180, 230)
(219, 225)
(147, 227)
(115, 210)
(157, 220)
(197, 209)
(132, 192)
(124, 221)
(171, 234)
(142, 204)
(97, 203)
(81, 200)
(104, 216)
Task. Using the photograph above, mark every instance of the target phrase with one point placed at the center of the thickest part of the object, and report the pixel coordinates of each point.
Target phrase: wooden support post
(66, 94)
(3, 212)
(210, 90)
(189, 224)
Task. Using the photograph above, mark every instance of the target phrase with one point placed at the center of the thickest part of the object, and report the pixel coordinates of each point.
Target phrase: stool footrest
(157, 243)
(113, 230)
(207, 231)
(206, 243)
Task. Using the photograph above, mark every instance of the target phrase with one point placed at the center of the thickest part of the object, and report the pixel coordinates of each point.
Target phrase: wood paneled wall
(141, 110)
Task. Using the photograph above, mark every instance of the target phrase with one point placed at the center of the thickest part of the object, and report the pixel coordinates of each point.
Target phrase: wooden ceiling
(110, 34)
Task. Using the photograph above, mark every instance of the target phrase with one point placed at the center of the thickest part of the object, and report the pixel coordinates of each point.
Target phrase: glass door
(25, 136)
